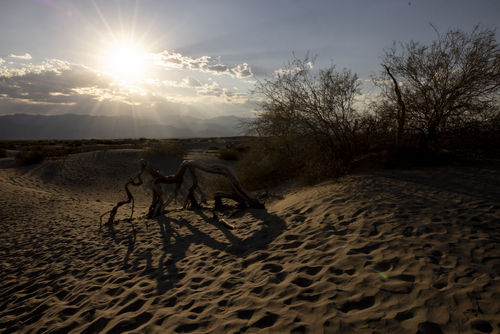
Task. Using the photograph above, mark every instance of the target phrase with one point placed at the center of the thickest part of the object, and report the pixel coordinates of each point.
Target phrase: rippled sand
(385, 251)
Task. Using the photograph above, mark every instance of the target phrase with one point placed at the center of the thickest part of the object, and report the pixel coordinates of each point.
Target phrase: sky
(161, 58)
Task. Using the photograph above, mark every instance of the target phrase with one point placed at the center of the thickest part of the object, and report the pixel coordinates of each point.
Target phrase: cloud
(55, 86)
(26, 56)
(193, 82)
(172, 59)
(52, 81)
(212, 92)
(205, 92)
(242, 71)
(2, 61)
(48, 65)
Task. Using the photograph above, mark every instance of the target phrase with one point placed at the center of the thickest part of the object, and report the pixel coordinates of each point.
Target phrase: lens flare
(126, 61)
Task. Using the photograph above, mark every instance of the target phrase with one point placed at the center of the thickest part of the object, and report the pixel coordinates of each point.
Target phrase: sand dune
(379, 252)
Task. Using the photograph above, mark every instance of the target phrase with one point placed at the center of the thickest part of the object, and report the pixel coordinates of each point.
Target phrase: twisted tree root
(238, 194)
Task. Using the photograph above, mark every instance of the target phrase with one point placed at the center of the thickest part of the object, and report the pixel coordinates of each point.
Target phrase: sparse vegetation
(437, 102)
(430, 93)
(231, 152)
(309, 119)
(166, 148)
(215, 183)
(30, 156)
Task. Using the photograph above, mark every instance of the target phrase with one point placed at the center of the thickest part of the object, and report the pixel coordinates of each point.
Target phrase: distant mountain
(70, 126)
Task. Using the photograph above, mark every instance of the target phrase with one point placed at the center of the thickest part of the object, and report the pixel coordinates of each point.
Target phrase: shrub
(62, 151)
(30, 156)
(75, 143)
(436, 88)
(310, 112)
(169, 148)
(3, 153)
(214, 183)
(230, 152)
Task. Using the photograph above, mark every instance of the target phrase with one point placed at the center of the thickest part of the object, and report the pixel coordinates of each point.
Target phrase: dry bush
(35, 153)
(436, 88)
(168, 148)
(317, 106)
(264, 165)
(30, 156)
(214, 183)
(308, 125)
(231, 152)
(273, 160)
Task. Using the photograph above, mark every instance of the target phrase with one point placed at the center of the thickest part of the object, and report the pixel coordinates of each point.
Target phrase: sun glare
(126, 61)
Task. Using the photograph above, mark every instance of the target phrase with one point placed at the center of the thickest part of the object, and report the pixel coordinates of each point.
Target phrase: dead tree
(136, 181)
(238, 193)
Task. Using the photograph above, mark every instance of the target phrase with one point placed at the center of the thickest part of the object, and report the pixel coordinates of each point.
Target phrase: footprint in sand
(295, 244)
(272, 267)
(311, 270)
(299, 330)
(302, 282)
(404, 315)
(308, 295)
(406, 278)
(245, 314)
(340, 232)
(266, 321)
(428, 327)
(440, 285)
(360, 304)
(335, 271)
(198, 309)
(365, 250)
(186, 328)
(131, 324)
(387, 265)
(97, 325)
(481, 326)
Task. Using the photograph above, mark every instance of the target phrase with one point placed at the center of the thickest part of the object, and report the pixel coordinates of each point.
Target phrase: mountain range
(71, 126)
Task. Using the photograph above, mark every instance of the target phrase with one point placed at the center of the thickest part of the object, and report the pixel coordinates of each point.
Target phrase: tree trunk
(401, 116)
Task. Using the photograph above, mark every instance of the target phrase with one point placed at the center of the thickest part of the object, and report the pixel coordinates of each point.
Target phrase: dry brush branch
(238, 194)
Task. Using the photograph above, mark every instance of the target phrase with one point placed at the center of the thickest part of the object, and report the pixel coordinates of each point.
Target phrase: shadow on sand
(175, 245)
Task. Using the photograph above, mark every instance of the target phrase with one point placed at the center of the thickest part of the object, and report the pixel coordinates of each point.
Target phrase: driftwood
(158, 204)
(136, 181)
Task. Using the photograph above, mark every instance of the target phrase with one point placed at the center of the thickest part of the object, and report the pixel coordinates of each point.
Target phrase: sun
(126, 61)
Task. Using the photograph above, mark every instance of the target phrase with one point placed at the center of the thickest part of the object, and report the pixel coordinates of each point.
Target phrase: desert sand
(385, 251)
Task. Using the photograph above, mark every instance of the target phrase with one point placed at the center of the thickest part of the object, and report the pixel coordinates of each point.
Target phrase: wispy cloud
(206, 64)
(207, 92)
(25, 56)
